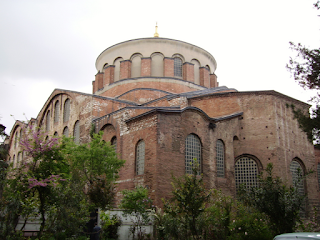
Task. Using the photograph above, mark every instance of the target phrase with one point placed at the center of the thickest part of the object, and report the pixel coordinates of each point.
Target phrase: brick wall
(188, 72)
(168, 67)
(204, 77)
(125, 69)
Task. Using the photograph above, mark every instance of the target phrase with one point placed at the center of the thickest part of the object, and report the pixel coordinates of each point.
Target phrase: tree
(188, 202)
(136, 204)
(97, 165)
(306, 71)
(281, 203)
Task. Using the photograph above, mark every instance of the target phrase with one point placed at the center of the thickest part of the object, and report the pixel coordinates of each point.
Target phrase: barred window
(140, 154)
(56, 112)
(297, 174)
(66, 132)
(193, 152)
(48, 121)
(318, 171)
(177, 67)
(220, 158)
(66, 110)
(246, 171)
(76, 132)
(114, 143)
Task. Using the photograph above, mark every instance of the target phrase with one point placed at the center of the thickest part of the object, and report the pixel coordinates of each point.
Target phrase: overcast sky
(54, 43)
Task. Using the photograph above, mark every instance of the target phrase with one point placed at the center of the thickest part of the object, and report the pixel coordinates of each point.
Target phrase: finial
(156, 34)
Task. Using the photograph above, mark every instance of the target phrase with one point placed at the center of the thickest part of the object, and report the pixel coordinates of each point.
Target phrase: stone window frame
(140, 157)
(247, 172)
(56, 112)
(66, 110)
(220, 158)
(193, 150)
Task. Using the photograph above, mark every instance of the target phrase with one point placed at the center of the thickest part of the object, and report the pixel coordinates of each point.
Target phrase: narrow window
(193, 152)
(114, 143)
(246, 171)
(297, 175)
(48, 121)
(76, 132)
(177, 67)
(140, 153)
(14, 161)
(66, 110)
(220, 158)
(15, 140)
(56, 112)
(66, 132)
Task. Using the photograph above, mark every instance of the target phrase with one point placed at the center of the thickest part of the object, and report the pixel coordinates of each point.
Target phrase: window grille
(297, 174)
(66, 132)
(140, 154)
(114, 143)
(246, 172)
(193, 152)
(76, 132)
(48, 121)
(56, 112)
(177, 67)
(220, 158)
(66, 110)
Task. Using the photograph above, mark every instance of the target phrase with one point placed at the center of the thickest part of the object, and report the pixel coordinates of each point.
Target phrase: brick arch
(109, 132)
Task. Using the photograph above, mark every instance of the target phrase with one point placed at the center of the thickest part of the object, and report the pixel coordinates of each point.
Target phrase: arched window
(114, 143)
(177, 67)
(66, 110)
(76, 132)
(48, 121)
(56, 112)
(196, 71)
(220, 158)
(19, 159)
(15, 140)
(116, 64)
(66, 132)
(157, 64)
(136, 65)
(56, 134)
(140, 153)
(14, 161)
(193, 152)
(246, 171)
(297, 174)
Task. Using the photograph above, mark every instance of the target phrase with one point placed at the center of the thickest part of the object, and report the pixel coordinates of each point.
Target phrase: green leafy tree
(188, 202)
(137, 205)
(98, 166)
(305, 68)
(281, 203)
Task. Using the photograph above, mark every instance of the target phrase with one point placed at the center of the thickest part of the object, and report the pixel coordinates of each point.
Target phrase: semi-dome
(160, 63)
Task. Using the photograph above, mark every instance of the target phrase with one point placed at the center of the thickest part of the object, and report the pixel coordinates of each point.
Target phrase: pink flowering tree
(44, 171)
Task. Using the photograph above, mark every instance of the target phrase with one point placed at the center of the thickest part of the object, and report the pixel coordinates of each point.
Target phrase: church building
(157, 100)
